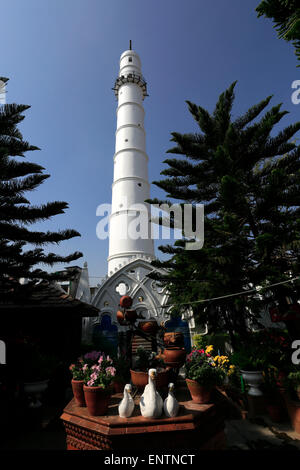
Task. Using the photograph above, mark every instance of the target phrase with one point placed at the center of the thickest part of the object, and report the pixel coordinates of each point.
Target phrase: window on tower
(129, 59)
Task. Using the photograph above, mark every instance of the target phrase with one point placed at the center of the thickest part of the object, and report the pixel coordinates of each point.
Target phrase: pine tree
(21, 248)
(249, 183)
(286, 16)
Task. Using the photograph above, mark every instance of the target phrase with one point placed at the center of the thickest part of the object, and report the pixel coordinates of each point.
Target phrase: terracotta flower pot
(174, 355)
(97, 400)
(120, 316)
(77, 387)
(126, 301)
(140, 378)
(174, 338)
(199, 393)
(149, 326)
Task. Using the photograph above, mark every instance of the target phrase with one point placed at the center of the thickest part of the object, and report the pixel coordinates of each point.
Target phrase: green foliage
(248, 179)
(206, 375)
(17, 214)
(200, 341)
(217, 340)
(267, 350)
(247, 360)
(286, 16)
(76, 370)
(270, 387)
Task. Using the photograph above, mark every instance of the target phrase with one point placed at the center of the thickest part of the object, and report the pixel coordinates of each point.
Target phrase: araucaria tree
(249, 183)
(286, 16)
(21, 248)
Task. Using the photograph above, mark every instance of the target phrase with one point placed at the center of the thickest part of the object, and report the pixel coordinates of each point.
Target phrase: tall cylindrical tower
(129, 233)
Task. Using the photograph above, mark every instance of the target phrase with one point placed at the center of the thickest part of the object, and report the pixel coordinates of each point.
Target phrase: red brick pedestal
(195, 427)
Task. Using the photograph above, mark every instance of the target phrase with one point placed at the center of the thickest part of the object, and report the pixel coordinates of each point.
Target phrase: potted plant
(78, 381)
(251, 362)
(202, 374)
(144, 361)
(78, 375)
(98, 385)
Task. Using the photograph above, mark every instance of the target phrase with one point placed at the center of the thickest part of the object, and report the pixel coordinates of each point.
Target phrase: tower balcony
(132, 77)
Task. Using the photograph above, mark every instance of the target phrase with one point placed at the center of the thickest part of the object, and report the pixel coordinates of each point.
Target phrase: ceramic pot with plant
(144, 361)
(202, 375)
(78, 375)
(98, 385)
(78, 382)
(251, 362)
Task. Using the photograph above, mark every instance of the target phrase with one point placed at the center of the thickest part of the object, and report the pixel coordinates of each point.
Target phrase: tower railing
(131, 77)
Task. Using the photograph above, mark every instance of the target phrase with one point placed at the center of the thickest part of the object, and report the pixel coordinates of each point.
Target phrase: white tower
(130, 186)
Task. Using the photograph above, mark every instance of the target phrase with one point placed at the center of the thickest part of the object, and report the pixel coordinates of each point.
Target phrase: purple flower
(93, 355)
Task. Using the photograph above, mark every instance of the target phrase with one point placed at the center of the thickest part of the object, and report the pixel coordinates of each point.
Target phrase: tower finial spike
(130, 44)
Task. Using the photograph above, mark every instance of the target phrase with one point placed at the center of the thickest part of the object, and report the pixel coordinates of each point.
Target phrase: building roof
(50, 297)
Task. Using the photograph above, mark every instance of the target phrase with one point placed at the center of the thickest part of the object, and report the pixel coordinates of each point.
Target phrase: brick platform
(195, 427)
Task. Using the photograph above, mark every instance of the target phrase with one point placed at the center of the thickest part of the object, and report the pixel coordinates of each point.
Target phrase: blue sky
(62, 58)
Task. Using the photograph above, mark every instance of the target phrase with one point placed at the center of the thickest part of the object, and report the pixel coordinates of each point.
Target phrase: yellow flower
(209, 349)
